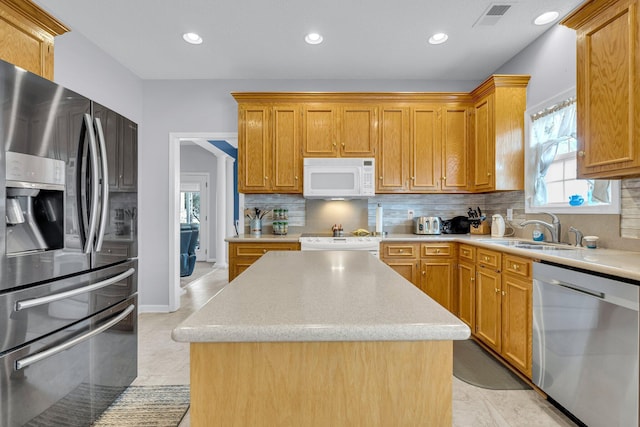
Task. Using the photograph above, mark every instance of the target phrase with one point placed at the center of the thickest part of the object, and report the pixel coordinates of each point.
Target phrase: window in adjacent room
(551, 180)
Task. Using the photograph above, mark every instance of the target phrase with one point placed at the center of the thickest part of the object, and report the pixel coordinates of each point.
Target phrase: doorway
(194, 208)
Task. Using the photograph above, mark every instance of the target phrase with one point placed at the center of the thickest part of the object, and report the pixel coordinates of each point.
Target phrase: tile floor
(164, 361)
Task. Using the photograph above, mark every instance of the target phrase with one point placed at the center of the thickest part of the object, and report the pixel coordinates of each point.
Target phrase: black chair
(185, 243)
(191, 252)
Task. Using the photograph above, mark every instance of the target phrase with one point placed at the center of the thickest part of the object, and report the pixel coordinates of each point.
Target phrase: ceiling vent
(492, 14)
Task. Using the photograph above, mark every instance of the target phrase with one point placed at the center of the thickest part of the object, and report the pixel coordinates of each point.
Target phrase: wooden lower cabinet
(517, 312)
(504, 307)
(437, 273)
(488, 286)
(242, 255)
(429, 266)
(488, 290)
(403, 257)
(467, 285)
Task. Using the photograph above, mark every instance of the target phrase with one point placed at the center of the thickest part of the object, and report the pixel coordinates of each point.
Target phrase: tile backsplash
(616, 231)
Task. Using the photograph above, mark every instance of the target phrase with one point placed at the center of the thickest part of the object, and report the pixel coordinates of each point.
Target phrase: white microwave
(339, 178)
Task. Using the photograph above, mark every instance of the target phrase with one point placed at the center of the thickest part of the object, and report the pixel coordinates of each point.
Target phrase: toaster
(427, 225)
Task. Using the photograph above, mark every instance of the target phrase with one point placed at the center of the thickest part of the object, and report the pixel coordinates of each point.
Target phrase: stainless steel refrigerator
(68, 253)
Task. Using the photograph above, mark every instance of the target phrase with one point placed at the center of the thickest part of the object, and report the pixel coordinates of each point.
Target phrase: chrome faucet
(554, 227)
(579, 236)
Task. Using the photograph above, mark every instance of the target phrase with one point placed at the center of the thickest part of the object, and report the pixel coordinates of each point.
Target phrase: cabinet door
(517, 322)
(392, 160)
(488, 299)
(455, 148)
(467, 293)
(608, 68)
(253, 149)
(128, 156)
(436, 280)
(406, 268)
(425, 149)
(358, 131)
(319, 137)
(484, 157)
(287, 164)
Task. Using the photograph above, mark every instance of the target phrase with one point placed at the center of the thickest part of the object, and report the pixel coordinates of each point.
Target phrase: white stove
(327, 242)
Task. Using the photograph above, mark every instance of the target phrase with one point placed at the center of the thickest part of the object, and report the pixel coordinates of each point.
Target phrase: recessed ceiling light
(192, 38)
(438, 38)
(313, 38)
(546, 18)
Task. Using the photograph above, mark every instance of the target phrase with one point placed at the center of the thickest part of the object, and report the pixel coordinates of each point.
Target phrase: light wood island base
(363, 383)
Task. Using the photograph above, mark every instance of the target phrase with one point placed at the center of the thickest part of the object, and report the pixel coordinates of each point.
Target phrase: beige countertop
(320, 296)
(625, 264)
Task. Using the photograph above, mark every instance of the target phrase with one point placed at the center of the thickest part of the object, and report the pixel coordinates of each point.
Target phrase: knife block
(482, 228)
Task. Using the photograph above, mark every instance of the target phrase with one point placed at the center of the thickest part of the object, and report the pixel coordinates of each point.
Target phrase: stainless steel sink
(528, 244)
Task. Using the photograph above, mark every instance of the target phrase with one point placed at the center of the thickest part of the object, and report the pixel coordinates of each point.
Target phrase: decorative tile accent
(630, 208)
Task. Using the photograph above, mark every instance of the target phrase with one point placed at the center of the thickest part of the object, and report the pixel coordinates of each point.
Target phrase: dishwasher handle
(577, 288)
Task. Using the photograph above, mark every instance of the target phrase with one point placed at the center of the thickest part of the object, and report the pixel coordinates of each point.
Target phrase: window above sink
(551, 183)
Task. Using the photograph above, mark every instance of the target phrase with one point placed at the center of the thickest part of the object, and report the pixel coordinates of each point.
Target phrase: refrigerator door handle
(34, 302)
(93, 215)
(105, 185)
(37, 357)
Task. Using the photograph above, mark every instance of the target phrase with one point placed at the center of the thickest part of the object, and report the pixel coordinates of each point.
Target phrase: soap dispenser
(538, 234)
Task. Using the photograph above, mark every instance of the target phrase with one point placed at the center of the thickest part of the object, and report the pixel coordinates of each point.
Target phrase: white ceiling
(264, 39)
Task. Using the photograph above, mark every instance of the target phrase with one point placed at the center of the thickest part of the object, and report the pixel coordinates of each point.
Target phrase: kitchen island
(321, 338)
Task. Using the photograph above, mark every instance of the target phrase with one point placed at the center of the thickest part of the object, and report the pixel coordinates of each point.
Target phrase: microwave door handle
(105, 184)
(95, 185)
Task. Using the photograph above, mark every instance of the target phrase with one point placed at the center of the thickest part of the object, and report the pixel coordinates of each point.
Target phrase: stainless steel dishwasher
(585, 344)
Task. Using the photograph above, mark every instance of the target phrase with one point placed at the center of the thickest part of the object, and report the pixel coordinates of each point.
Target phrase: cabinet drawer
(467, 253)
(489, 258)
(518, 266)
(259, 249)
(399, 250)
(436, 249)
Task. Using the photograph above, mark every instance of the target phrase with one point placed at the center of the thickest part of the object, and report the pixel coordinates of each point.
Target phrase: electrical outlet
(509, 214)
(410, 214)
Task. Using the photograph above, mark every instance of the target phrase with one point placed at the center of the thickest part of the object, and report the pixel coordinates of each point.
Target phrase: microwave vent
(492, 14)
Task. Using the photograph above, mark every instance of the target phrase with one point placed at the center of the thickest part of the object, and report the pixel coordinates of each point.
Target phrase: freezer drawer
(70, 377)
(39, 310)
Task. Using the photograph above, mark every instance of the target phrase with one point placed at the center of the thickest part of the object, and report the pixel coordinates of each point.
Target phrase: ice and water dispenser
(34, 203)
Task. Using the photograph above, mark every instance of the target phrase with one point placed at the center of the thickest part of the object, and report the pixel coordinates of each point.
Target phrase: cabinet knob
(516, 267)
(334, 144)
(413, 178)
(504, 293)
(401, 250)
(473, 279)
(485, 259)
(488, 173)
(296, 177)
(424, 273)
(437, 251)
(380, 178)
(581, 153)
(264, 251)
(444, 178)
(343, 145)
(497, 290)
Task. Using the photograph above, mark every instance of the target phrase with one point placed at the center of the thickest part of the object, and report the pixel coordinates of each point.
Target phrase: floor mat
(161, 406)
(475, 366)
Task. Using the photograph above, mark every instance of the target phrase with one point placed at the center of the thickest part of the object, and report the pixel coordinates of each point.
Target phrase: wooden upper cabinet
(287, 162)
(608, 87)
(392, 160)
(319, 128)
(269, 149)
(253, 149)
(498, 145)
(26, 36)
(455, 148)
(358, 131)
(425, 148)
(333, 130)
